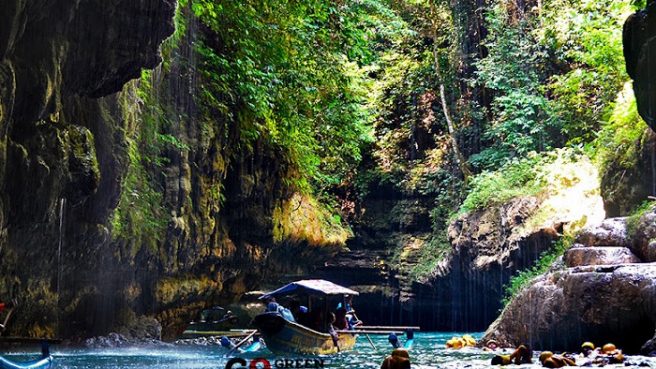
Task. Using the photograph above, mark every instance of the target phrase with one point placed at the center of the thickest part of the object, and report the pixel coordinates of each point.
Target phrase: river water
(428, 352)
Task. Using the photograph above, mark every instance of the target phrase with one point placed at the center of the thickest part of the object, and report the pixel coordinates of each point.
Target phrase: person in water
(491, 345)
(399, 359)
(522, 355)
(549, 360)
(587, 349)
(610, 354)
(460, 342)
(394, 340)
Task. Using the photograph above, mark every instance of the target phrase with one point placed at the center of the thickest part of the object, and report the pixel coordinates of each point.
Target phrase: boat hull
(43, 363)
(285, 337)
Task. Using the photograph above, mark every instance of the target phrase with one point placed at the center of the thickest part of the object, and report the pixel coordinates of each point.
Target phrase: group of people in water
(589, 356)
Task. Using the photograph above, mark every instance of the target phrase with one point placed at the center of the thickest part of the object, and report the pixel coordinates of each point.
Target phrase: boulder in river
(562, 309)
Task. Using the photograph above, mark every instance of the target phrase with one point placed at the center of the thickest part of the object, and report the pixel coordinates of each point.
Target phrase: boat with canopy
(306, 331)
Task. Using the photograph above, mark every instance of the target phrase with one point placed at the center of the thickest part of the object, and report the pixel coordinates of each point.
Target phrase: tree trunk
(460, 158)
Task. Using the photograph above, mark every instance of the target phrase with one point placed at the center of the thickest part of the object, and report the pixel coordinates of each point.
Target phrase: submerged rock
(117, 340)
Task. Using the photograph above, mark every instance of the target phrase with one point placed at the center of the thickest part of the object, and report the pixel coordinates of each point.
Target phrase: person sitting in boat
(348, 300)
(394, 340)
(274, 307)
(340, 319)
(302, 316)
(399, 359)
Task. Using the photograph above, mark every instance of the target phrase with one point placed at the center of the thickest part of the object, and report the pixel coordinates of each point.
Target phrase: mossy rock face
(64, 155)
(640, 55)
(624, 186)
(82, 162)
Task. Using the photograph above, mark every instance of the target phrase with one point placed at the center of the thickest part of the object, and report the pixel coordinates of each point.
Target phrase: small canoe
(284, 337)
(42, 363)
(211, 322)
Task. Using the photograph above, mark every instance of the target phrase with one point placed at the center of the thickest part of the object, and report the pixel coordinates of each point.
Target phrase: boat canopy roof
(311, 286)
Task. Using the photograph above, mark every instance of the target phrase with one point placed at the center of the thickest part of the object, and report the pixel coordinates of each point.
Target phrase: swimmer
(522, 355)
(394, 340)
(611, 354)
(399, 359)
(455, 343)
(491, 345)
(460, 342)
(549, 360)
(587, 349)
(469, 340)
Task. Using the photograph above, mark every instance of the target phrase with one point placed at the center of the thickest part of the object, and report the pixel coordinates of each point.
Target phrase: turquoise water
(428, 352)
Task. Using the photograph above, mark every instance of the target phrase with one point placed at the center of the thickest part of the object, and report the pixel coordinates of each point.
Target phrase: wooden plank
(241, 343)
(401, 328)
(399, 332)
(231, 334)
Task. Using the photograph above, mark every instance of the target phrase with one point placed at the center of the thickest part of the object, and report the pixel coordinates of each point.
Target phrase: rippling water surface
(427, 352)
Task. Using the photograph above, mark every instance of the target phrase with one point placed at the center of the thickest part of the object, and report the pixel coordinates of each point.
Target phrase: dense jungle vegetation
(414, 95)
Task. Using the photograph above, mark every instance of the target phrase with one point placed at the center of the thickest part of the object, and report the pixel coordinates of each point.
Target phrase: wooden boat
(283, 336)
(212, 322)
(44, 362)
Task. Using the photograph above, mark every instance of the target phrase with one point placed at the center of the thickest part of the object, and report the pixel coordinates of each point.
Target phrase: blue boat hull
(43, 363)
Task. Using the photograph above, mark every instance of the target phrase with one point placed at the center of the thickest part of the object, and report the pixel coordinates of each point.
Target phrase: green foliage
(446, 191)
(554, 72)
(523, 278)
(140, 216)
(524, 119)
(586, 38)
(618, 143)
(633, 219)
(290, 75)
(519, 177)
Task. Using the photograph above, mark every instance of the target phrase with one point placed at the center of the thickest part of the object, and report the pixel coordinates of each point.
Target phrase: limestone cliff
(97, 229)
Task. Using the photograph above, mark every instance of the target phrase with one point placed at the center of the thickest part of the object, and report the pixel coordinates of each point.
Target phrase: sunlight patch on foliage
(304, 219)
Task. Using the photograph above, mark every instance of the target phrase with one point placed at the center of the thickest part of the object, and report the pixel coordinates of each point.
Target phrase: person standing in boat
(350, 317)
(332, 331)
